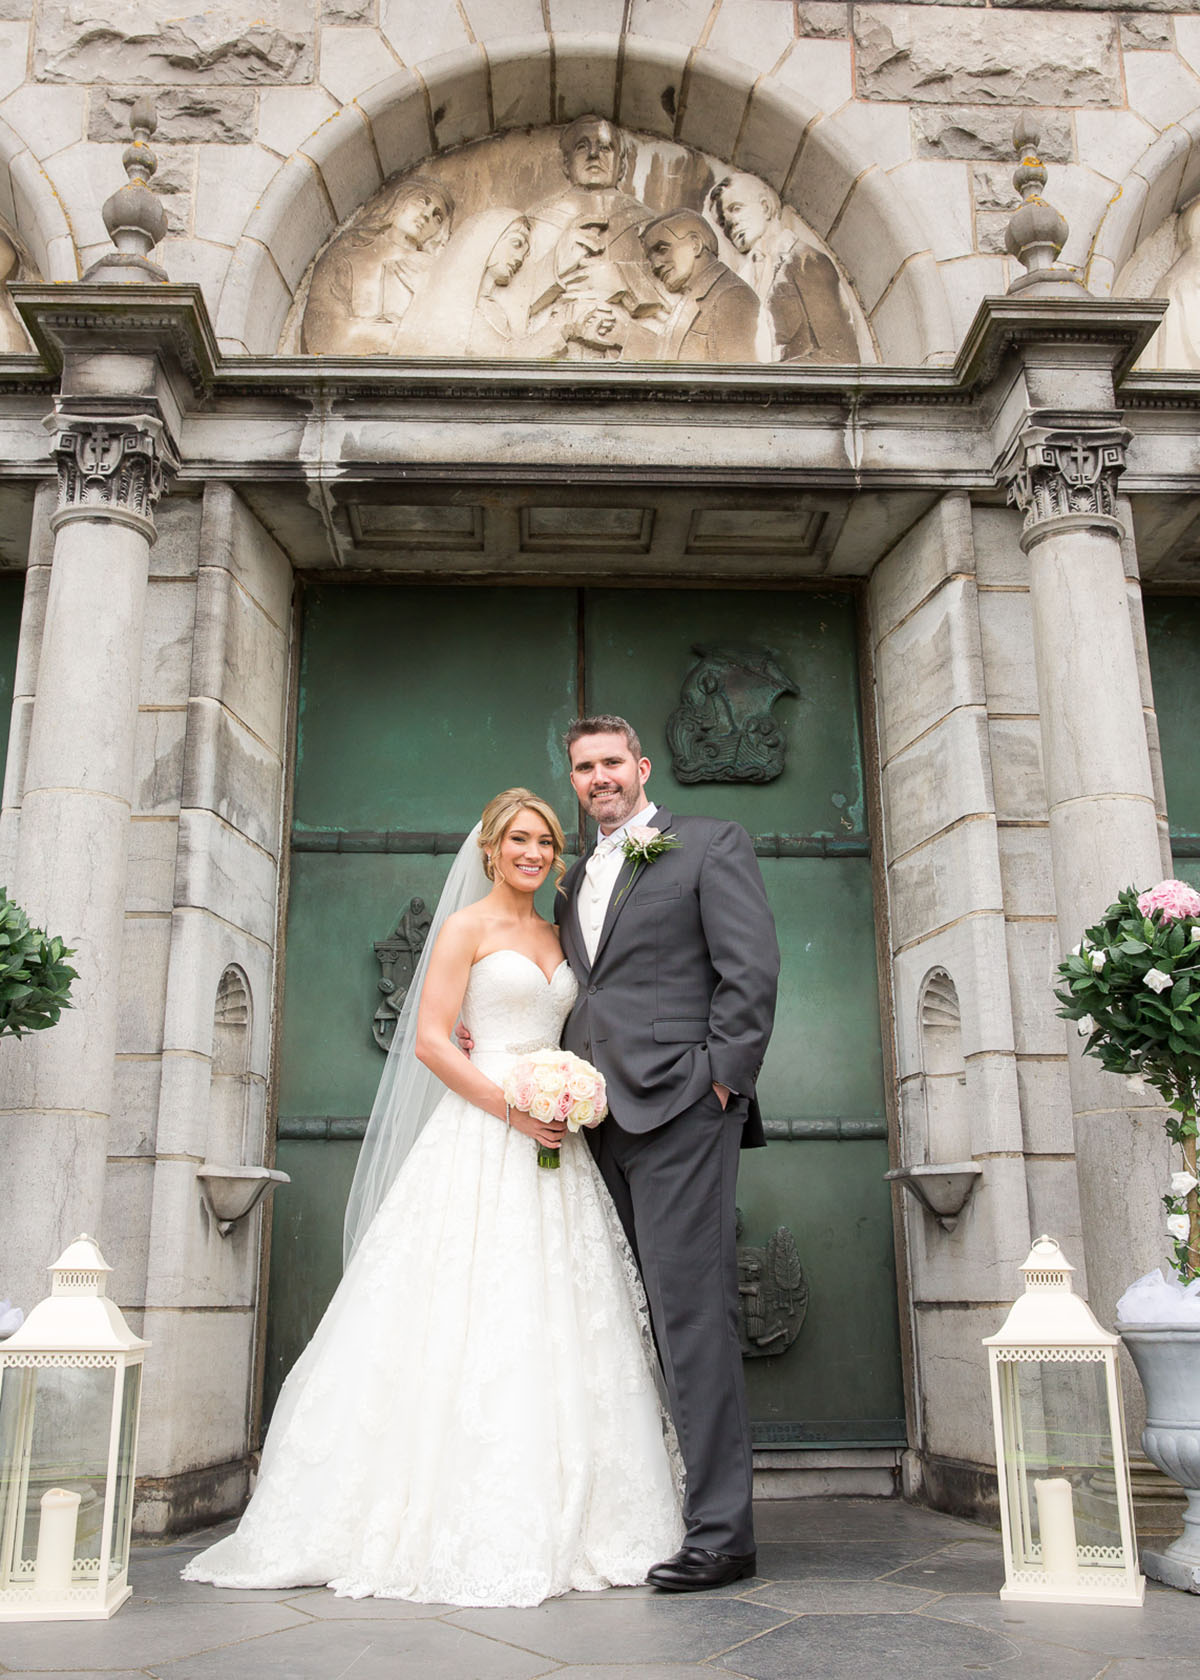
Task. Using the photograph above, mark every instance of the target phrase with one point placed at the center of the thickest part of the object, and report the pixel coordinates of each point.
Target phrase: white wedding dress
(477, 1419)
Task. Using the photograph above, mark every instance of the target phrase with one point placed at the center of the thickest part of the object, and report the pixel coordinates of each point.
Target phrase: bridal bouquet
(556, 1085)
(1132, 987)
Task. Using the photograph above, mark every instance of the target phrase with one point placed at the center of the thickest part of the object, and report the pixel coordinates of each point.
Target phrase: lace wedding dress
(476, 1420)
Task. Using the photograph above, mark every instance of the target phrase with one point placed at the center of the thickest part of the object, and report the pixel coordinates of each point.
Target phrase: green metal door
(416, 704)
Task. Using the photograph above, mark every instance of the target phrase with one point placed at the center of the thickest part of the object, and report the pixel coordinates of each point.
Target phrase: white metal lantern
(1065, 1504)
(70, 1385)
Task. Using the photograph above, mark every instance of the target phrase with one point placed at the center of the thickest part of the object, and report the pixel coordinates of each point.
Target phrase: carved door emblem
(722, 730)
(772, 1294)
(398, 956)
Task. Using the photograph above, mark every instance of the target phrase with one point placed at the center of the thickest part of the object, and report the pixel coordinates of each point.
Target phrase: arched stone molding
(701, 99)
(1164, 178)
(32, 208)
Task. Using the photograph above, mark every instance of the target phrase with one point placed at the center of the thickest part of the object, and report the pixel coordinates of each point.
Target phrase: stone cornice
(170, 321)
(1122, 327)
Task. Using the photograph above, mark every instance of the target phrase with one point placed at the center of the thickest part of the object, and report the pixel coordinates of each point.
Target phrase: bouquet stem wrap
(555, 1085)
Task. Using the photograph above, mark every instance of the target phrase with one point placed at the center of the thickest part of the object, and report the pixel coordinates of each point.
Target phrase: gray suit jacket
(682, 990)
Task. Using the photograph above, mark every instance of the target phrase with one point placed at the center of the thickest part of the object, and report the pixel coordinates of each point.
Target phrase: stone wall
(889, 126)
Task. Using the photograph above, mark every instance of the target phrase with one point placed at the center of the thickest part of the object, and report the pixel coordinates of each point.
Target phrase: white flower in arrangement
(1085, 1026)
(1182, 1183)
(1099, 958)
(1075, 950)
(1194, 935)
(1179, 1227)
(1156, 980)
(1136, 1085)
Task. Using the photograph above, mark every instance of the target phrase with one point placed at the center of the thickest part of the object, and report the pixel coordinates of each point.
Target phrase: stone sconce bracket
(230, 1193)
(942, 1188)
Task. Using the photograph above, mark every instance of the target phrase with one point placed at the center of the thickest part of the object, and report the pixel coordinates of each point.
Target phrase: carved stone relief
(1167, 265)
(584, 243)
(772, 1294)
(13, 266)
(722, 730)
(398, 956)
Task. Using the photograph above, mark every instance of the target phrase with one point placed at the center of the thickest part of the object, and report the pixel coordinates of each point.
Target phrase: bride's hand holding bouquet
(557, 1091)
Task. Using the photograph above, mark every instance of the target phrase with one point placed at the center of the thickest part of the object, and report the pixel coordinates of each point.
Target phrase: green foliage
(1136, 1029)
(35, 978)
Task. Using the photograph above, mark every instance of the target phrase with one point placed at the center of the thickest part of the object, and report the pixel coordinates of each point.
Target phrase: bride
(476, 1420)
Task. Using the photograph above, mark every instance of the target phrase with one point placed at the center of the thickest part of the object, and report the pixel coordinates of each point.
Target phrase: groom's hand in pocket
(723, 1094)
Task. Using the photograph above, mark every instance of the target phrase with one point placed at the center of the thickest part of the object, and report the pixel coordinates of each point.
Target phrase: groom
(677, 966)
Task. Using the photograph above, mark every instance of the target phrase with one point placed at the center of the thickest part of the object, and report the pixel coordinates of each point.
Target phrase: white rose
(1195, 933)
(1085, 1026)
(1099, 958)
(1156, 979)
(1179, 1227)
(1182, 1183)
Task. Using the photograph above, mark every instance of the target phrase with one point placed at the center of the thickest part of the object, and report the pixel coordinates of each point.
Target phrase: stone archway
(834, 187)
(32, 208)
(1166, 176)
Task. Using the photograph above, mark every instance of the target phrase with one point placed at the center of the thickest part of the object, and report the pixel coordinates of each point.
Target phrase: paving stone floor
(848, 1589)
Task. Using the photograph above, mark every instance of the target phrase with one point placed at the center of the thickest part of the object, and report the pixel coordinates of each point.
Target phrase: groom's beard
(611, 812)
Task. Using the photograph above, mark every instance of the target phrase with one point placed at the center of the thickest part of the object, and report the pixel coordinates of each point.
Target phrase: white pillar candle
(56, 1542)
(1056, 1525)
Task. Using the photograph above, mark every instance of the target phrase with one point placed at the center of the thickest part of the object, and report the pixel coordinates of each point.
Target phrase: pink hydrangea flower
(1172, 899)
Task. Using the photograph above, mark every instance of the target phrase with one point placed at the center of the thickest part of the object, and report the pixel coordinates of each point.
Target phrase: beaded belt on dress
(525, 1049)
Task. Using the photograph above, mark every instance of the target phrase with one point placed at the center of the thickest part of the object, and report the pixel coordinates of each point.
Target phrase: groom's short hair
(604, 723)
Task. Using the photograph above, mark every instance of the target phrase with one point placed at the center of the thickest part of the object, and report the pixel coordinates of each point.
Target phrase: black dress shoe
(695, 1570)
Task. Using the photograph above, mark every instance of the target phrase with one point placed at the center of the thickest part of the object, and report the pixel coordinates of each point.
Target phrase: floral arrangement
(556, 1085)
(642, 845)
(35, 979)
(1132, 986)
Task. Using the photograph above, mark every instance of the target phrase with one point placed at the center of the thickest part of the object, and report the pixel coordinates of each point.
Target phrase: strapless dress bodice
(511, 1008)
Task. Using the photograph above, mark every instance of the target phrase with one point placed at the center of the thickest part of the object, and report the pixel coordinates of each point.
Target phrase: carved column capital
(1064, 476)
(111, 467)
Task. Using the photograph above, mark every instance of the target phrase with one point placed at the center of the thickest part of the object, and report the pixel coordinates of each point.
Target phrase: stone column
(1103, 832)
(74, 830)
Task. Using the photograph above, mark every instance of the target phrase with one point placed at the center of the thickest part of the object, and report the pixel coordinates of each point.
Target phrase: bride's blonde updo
(498, 816)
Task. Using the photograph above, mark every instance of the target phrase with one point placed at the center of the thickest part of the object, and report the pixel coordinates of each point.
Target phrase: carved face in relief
(508, 253)
(745, 210)
(676, 246)
(593, 154)
(421, 216)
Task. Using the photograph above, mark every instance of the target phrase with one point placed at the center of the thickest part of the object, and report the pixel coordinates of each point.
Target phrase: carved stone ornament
(772, 1294)
(398, 956)
(584, 243)
(722, 730)
(1057, 474)
(112, 467)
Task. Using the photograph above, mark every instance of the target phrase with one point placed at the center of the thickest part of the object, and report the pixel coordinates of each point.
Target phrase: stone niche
(580, 243)
(1167, 265)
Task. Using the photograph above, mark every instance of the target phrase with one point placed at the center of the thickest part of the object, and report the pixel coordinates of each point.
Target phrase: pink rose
(640, 834)
(1172, 899)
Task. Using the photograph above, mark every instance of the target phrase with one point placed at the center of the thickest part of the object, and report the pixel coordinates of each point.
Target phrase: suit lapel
(572, 933)
(621, 888)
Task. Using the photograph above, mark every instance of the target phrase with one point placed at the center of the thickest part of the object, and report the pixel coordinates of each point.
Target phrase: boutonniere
(642, 845)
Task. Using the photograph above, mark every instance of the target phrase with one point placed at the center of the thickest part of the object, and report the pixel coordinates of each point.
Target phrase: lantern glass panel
(122, 1504)
(67, 1444)
(1060, 1481)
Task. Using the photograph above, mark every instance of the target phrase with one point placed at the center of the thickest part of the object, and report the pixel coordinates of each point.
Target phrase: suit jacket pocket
(680, 1031)
(652, 895)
